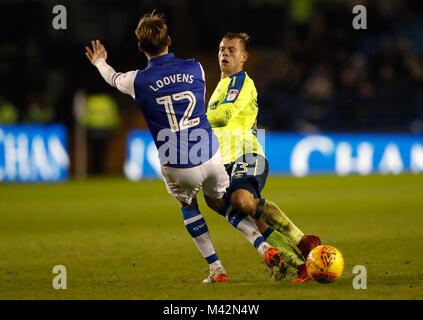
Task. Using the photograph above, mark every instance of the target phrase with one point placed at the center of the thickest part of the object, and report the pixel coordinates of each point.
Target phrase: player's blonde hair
(245, 38)
(152, 33)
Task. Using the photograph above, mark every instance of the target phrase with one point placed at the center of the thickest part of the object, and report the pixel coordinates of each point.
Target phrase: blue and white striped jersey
(171, 95)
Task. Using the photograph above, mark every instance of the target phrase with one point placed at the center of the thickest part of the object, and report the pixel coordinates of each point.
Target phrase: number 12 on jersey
(185, 121)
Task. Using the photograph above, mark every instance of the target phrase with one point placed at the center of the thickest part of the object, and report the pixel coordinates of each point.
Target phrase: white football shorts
(184, 183)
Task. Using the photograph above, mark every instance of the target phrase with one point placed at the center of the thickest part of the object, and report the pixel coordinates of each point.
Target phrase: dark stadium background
(342, 109)
(313, 71)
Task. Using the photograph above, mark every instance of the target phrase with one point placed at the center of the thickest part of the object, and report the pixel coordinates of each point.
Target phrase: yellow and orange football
(325, 264)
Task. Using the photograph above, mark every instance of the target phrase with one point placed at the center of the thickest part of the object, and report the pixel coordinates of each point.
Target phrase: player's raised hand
(98, 51)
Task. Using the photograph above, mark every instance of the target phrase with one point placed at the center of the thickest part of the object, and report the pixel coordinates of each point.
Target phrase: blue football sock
(197, 228)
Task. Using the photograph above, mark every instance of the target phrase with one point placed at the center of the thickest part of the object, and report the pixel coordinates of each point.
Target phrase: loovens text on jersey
(188, 78)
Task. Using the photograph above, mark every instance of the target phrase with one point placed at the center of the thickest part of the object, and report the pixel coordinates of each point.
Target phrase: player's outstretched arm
(124, 82)
(98, 51)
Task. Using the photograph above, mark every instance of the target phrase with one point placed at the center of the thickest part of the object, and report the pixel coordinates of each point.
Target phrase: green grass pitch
(124, 240)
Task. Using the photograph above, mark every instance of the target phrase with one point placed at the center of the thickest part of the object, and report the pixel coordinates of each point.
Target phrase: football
(325, 264)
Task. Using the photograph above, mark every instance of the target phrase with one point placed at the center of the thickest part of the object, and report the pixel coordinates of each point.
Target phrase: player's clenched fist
(98, 51)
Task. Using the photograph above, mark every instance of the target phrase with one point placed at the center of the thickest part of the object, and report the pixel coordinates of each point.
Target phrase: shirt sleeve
(237, 97)
(124, 82)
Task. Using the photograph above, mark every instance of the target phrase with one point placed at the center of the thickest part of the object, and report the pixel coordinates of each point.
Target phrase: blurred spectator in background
(8, 112)
(38, 111)
(313, 70)
(336, 78)
(101, 119)
(317, 108)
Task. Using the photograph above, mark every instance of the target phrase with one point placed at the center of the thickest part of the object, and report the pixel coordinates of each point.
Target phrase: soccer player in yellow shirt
(232, 112)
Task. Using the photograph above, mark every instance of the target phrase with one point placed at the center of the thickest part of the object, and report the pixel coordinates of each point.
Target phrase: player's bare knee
(244, 201)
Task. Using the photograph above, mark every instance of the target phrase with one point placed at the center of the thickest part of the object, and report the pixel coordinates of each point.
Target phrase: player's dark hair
(245, 38)
(152, 33)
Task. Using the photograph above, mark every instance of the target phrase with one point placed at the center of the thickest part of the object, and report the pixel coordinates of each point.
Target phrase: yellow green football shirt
(232, 113)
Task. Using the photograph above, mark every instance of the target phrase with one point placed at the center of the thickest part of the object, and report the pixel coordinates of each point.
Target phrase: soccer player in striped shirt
(170, 94)
(232, 112)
